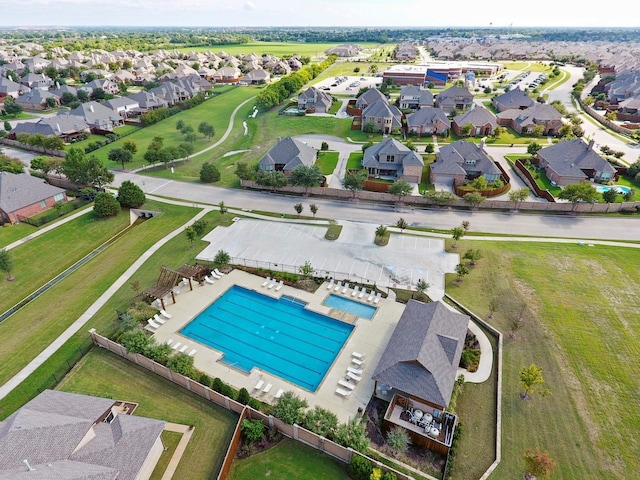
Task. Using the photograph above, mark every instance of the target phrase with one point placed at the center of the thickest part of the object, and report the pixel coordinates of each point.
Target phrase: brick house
(22, 195)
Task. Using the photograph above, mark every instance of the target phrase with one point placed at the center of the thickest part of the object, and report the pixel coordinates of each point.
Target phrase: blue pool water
(276, 335)
(619, 188)
(346, 305)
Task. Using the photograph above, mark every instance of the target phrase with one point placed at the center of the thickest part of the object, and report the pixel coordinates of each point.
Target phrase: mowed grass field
(279, 49)
(582, 327)
(104, 374)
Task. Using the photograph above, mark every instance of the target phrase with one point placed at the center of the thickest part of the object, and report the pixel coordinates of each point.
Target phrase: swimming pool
(278, 336)
(619, 188)
(346, 305)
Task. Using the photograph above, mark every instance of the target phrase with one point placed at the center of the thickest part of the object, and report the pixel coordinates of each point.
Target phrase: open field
(289, 460)
(105, 374)
(581, 326)
(278, 49)
(15, 232)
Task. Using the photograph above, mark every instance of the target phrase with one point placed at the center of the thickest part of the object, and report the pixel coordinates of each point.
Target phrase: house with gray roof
(428, 121)
(148, 101)
(257, 76)
(454, 99)
(460, 161)
(23, 196)
(385, 118)
(10, 88)
(574, 161)
(413, 98)
(123, 105)
(422, 356)
(36, 80)
(36, 99)
(372, 95)
(66, 127)
(286, 155)
(67, 436)
(482, 121)
(108, 86)
(97, 116)
(390, 158)
(525, 121)
(514, 99)
(315, 100)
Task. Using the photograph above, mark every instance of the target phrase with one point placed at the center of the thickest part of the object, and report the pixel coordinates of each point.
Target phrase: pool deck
(369, 337)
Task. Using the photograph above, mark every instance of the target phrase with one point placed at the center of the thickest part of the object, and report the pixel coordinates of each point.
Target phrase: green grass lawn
(278, 49)
(286, 461)
(327, 162)
(581, 326)
(11, 233)
(104, 374)
(37, 324)
(170, 441)
(355, 161)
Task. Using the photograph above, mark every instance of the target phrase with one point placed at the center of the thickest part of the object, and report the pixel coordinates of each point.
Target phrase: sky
(308, 13)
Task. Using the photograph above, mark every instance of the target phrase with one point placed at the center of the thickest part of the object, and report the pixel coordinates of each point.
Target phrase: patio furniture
(192, 352)
(346, 288)
(363, 292)
(266, 282)
(152, 324)
(210, 281)
(358, 355)
(157, 319)
(357, 362)
(338, 286)
(267, 388)
(280, 285)
(184, 348)
(330, 286)
(371, 296)
(343, 392)
(378, 297)
(353, 376)
(272, 284)
(165, 314)
(279, 393)
(355, 291)
(258, 385)
(357, 371)
(346, 384)
(218, 272)
(176, 345)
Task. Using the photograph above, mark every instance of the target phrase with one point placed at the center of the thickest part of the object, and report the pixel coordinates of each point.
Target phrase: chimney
(591, 142)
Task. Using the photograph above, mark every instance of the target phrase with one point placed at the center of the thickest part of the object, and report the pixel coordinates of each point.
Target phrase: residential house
(171, 92)
(9, 88)
(372, 95)
(70, 436)
(22, 196)
(525, 121)
(419, 368)
(574, 161)
(314, 100)
(390, 158)
(36, 80)
(460, 161)
(454, 99)
(257, 77)
(97, 116)
(36, 99)
(125, 106)
(413, 98)
(62, 89)
(286, 155)
(482, 121)
(346, 50)
(109, 86)
(629, 109)
(227, 75)
(64, 126)
(514, 99)
(385, 118)
(148, 101)
(429, 121)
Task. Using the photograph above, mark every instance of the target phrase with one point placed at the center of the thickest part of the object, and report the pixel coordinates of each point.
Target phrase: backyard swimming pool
(619, 188)
(278, 336)
(346, 305)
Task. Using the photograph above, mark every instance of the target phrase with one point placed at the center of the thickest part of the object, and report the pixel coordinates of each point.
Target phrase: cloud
(249, 6)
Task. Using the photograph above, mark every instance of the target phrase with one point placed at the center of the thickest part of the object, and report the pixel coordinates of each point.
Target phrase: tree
(242, 171)
(360, 468)
(6, 264)
(221, 258)
(538, 464)
(50, 102)
(353, 434)
(158, 352)
(533, 148)
(401, 188)
(579, 192)
(190, 137)
(98, 94)
(7, 126)
(324, 146)
(130, 146)
(466, 129)
(206, 130)
(306, 176)
(130, 195)
(190, 232)
(480, 183)
(461, 271)
(209, 173)
(628, 196)
(179, 125)
(402, 224)
(610, 195)
(466, 225)
(370, 127)
(83, 170)
(83, 96)
(243, 396)
(11, 107)
(429, 148)
(105, 205)
(97, 175)
(200, 226)
(422, 286)
(67, 98)
(306, 270)
(473, 255)
(519, 196)
(120, 155)
(456, 234)
(298, 208)
(530, 378)
(381, 231)
(473, 199)
(253, 430)
(398, 440)
(314, 209)
(494, 303)
(222, 208)
(321, 421)
(354, 181)
(289, 408)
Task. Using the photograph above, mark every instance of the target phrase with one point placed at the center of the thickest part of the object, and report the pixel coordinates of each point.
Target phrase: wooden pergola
(166, 281)
(189, 272)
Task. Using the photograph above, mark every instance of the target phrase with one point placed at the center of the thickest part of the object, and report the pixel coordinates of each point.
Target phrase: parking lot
(349, 86)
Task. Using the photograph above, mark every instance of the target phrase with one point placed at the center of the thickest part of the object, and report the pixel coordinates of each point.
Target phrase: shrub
(398, 440)
(289, 408)
(158, 352)
(321, 421)
(209, 173)
(105, 205)
(389, 476)
(130, 195)
(243, 396)
(135, 341)
(253, 430)
(183, 364)
(360, 468)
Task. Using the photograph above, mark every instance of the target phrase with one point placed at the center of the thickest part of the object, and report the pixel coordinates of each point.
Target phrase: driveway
(337, 144)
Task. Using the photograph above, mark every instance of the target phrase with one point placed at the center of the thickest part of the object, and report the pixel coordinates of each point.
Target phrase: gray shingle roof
(515, 98)
(537, 114)
(404, 156)
(372, 95)
(477, 117)
(58, 125)
(460, 153)
(21, 190)
(381, 109)
(428, 116)
(424, 351)
(571, 157)
(290, 153)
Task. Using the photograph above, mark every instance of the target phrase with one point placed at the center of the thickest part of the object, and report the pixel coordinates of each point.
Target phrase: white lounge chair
(330, 285)
(372, 295)
(157, 319)
(346, 384)
(214, 275)
(192, 352)
(343, 392)
(338, 286)
(280, 285)
(358, 355)
(353, 376)
(357, 371)
(176, 290)
(356, 289)
(165, 314)
(267, 388)
(272, 284)
(152, 324)
(210, 281)
(266, 282)
(258, 385)
(176, 345)
(169, 342)
(185, 282)
(357, 362)
(346, 288)
(363, 292)
(378, 297)
(218, 272)
(279, 393)
(184, 348)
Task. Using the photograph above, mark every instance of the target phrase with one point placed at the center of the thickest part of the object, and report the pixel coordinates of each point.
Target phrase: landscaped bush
(470, 359)
(158, 352)
(183, 364)
(289, 408)
(135, 341)
(209, 173)
(105, 205)
(130, 195)
(360, 468)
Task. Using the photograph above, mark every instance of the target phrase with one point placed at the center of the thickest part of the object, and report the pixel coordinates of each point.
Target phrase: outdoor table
(426, 418)
(418, 414)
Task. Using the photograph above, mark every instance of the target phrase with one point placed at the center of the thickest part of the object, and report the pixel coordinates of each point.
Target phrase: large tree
(306, 176)
(579, 192)
(6, 263)
(206, 129)
(519, 196)
(83, 170)
(401, 188)
(121, 156)
(11, 107)
(130, 195)
(354, 181)
(105, 205)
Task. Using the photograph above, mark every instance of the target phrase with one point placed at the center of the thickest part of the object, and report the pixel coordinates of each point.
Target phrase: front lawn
(105, 374)
(327, 162)
(10, 233)
(289, 460)
(355, 161)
